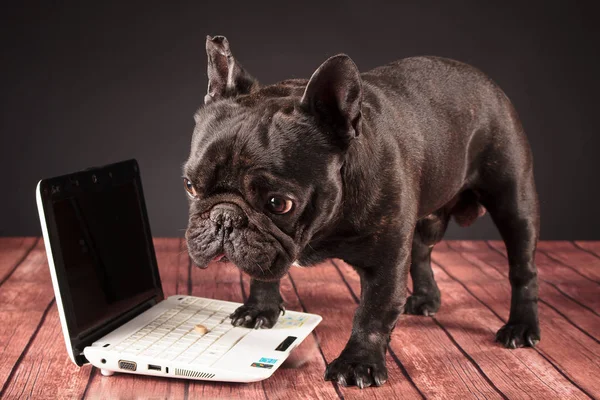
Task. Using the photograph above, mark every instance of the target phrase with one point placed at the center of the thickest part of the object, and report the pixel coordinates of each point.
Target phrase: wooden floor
(449, 356)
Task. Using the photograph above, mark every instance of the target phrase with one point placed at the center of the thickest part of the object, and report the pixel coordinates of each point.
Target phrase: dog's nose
(227, 217)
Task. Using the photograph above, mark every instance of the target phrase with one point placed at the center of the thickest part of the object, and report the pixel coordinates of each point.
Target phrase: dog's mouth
(255, 269)
(257, 252)
(220, 258)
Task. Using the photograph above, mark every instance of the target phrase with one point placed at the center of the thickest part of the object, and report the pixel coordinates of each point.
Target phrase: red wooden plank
(572, 311)
(173, 267)
(39, 365)
(467, 245)
(323, 292)
(303, 371)
(173, 262)
(556, 245)
(12, 252)
(564, 279)
(434, 362)
(591, 247)
(566, 254)
(524, 369)
(583, 262)
(45, 371)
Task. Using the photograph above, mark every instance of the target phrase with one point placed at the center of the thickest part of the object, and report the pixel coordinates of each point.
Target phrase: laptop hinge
(110, 326)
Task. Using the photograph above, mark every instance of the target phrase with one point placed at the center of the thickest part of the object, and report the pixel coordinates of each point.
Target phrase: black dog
(367, 168)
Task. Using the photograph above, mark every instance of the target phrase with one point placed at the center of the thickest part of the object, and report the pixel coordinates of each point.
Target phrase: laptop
(110, 299)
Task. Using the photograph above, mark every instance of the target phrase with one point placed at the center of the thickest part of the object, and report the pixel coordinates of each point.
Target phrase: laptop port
(128, 365)
(154, 367)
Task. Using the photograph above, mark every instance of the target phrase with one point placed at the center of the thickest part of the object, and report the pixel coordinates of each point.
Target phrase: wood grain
(432, 359)
(12, 252)
(450, 356)
(565, 280)
(24, 300)
(567, 254)
(580, 317)
(530, 370)
(323, 292)
(589, 247)
(173, 265)
(44, 371)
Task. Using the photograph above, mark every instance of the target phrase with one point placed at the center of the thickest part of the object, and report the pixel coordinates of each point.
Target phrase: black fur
(376, 164)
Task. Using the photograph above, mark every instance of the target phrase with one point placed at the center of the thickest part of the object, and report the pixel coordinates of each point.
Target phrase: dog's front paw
(256, 316)
(360, 372)
(426, 305)
(514, 335)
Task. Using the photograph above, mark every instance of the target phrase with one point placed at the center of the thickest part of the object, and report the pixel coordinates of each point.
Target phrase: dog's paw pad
(422, 305)
(348, 373)
(255, 317)
(513, 336)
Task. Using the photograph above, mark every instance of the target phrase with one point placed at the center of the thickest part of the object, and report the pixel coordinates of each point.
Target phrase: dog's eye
(279, 205)
(189, 187)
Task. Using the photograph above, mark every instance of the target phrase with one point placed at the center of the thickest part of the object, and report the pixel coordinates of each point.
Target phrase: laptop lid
(100, 251)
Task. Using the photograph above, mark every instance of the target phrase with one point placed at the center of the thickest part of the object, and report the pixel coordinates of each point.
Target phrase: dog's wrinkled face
(255, 187)
(262, 177)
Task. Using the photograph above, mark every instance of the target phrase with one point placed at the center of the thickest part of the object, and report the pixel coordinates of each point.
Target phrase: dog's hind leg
(510, 196)
(425, 299)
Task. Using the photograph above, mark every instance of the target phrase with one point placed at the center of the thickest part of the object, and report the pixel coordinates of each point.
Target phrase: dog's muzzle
(227, 217)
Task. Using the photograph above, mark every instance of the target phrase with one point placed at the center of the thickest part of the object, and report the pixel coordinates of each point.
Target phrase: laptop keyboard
(171, 336)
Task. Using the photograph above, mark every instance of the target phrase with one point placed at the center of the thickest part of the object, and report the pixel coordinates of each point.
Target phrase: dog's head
(264, 172)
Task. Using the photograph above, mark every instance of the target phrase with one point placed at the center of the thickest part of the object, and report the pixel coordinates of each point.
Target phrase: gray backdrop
(89, 85)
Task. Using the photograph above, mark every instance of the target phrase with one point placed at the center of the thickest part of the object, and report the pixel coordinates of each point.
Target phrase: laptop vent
(193, 374)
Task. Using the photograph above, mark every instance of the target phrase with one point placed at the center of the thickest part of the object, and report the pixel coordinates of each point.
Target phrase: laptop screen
(105, 246)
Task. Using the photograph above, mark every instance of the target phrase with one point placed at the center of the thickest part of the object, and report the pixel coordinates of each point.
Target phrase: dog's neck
(363, 165)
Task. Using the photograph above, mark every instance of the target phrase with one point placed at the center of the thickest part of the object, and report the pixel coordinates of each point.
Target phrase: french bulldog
(368, 168)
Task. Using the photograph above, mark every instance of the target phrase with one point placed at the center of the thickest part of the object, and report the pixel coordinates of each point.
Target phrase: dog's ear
(226, 77)
(334, 95)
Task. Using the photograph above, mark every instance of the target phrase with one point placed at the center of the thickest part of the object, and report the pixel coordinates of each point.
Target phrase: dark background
(86, 85)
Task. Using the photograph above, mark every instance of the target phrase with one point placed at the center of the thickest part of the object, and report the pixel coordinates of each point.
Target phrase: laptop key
(219, 347)
(172, 334)
(212, 353)
(168, 355)
(158, 347)
(150, 353)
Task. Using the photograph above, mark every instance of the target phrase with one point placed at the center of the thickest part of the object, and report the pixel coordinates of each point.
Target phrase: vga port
(128, 365)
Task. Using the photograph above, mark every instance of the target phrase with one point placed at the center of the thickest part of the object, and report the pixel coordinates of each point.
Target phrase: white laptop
(110, 299)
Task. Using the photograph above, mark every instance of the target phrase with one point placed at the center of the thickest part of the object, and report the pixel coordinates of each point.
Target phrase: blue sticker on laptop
(264, 362)
(261, 365)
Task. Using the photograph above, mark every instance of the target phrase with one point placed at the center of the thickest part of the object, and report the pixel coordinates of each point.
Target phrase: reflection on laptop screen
(105, 252)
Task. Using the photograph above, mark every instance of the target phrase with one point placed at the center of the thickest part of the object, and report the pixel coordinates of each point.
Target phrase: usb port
(154, 367)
